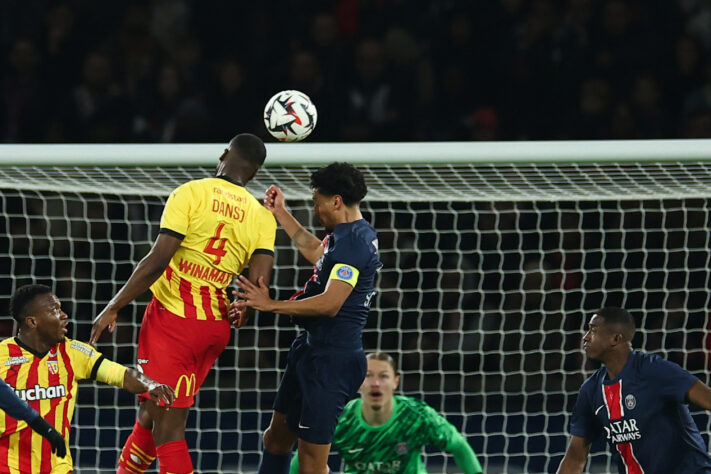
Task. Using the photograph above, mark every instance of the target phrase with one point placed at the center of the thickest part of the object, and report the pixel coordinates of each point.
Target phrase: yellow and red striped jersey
(48, 383)
(221, 225)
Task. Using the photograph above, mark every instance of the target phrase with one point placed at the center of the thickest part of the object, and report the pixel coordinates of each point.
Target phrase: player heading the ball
(210, 230)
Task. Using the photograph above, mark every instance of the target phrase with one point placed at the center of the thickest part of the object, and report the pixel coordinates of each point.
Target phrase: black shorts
(317, 384)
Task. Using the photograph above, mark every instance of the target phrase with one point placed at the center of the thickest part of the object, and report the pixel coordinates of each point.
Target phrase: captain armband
(111, 373)
(343, 272)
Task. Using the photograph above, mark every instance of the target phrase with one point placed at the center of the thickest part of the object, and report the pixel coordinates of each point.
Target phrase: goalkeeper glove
(52, 435)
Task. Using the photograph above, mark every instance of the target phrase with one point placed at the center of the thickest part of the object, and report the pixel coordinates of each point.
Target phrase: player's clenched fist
(274, 199)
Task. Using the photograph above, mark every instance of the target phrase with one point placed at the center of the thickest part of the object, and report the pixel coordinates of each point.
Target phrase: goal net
(494, 257)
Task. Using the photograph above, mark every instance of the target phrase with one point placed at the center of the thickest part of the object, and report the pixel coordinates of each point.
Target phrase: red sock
(174, 458)
(138, 453)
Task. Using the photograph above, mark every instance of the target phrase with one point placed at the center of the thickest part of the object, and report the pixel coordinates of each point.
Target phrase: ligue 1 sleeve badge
(630, 402)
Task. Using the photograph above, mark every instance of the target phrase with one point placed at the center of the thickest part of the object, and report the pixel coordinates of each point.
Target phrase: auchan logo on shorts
(190, 385)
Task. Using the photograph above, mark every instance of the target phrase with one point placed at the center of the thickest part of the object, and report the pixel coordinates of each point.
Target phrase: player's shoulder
(360, 229)
(357, 237)
(646, 363)
(74, 347)
(405, 403)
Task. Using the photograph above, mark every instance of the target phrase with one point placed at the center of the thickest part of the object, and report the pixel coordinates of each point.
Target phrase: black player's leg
(313, 458)
(144, 417)
(169, 435)
(168, 424)
(278, 439)
(139, 452)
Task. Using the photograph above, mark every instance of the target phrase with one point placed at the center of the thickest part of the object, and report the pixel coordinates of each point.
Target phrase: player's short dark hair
(250, 148)
(23, 297)
(618, 316)
(341, 179)
(384, 357)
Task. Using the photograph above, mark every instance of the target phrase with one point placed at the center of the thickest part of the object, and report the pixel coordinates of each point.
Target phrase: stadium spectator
(43, 367)
(526, 60)
(389, 431)
(193, 260)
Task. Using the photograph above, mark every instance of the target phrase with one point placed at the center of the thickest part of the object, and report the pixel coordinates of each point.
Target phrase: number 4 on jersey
(216, 245)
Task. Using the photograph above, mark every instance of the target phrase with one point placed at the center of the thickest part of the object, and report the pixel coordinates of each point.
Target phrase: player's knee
(312, 468)
(276, 442)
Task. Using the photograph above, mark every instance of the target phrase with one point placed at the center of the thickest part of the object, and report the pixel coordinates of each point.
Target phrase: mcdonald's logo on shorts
(190, 385)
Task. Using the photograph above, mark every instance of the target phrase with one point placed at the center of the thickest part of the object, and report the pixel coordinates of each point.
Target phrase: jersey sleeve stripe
(10, 423)
(95, 369)
(207, 302)
(51, 419)
(69, 382)
(221, 301)
(165, 230)
(264, 252)
(187, 296)
(24, 450)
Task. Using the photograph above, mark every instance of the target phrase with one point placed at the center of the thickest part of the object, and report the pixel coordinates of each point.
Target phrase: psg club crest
(401, 448)
(345, 273)
(630, 402)
(53, 367)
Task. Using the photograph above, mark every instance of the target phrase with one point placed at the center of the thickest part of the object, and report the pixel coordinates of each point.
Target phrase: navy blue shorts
(317, 384)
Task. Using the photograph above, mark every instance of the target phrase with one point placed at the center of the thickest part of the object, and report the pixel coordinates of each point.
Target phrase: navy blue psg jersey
(644, 417)
(350, 254)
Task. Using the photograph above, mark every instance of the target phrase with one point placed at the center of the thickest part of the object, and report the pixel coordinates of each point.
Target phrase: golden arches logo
(190, 385)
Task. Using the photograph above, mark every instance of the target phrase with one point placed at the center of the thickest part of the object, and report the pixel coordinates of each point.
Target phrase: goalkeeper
(382, 432)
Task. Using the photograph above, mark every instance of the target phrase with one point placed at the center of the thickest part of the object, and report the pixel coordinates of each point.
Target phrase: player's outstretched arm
(575, 457)
(137, 383)
(464, 456)
(308, 244)
(327, 303)
(20, 410)
(147, 271)
(700, 394)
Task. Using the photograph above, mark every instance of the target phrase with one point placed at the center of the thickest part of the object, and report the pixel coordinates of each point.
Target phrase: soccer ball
(290, 116)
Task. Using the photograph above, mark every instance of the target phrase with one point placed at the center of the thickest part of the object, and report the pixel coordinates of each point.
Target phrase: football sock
(274, 463)
(174, 458)
(138, 453)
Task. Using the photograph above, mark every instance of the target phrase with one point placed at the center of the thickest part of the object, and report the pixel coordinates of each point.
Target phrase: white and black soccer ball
(290, 116)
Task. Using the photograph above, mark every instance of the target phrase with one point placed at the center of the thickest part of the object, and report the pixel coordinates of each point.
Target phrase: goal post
(495, 255)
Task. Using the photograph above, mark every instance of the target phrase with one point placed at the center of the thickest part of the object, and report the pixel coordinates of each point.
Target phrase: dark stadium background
(379, 70)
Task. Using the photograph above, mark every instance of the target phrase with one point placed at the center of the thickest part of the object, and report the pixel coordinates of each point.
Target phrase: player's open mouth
(376, 394)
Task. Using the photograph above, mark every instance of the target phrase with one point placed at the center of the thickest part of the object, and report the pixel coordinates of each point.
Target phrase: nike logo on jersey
(355, 450)
(302, 427)
(599, 408)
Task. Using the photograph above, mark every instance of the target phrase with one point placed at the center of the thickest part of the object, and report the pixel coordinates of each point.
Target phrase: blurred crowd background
(198, 71)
